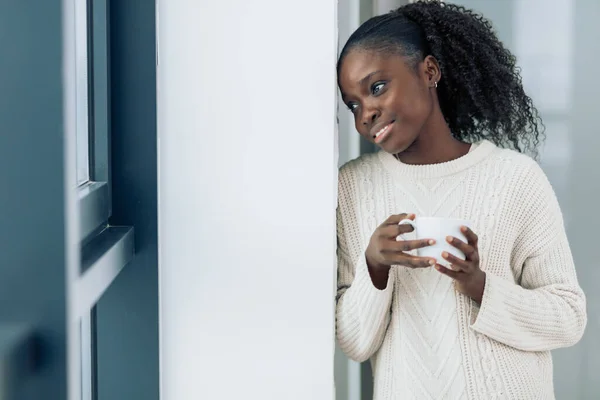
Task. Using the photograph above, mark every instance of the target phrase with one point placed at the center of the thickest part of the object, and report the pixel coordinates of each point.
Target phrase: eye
(377, 88)
(352, 107)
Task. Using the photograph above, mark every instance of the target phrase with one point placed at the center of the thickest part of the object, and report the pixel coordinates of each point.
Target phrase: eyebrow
(362, 81)
(366, 78)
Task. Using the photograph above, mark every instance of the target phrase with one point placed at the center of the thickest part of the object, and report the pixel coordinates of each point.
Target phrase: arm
(363, 311)
(547, 310)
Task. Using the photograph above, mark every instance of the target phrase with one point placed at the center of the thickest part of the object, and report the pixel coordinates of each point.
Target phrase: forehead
(358, 64)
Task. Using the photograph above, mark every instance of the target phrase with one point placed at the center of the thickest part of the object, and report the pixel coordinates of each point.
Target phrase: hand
(385, 250)
(468, 277)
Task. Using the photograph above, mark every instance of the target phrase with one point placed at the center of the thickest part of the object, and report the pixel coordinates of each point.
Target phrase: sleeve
(363, 312)
(546, 309)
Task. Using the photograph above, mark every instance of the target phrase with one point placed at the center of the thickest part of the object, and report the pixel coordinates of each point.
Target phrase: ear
(431, 69)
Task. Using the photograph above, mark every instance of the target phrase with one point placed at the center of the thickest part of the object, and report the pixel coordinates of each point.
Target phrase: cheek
(414, 109)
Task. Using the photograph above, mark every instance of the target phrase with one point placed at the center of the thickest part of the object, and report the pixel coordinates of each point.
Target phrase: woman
(432, 86)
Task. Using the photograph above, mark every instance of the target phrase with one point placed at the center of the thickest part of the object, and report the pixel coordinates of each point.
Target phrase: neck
(435, 144)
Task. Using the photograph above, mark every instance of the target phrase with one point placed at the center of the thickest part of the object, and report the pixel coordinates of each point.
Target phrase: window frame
(95, 203)
(105, 249)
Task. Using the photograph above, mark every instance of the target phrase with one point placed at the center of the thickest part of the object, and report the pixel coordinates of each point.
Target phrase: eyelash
(374, 92)
(375, 85)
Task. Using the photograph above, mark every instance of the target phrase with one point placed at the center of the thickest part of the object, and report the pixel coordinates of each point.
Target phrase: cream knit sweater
(424, 339)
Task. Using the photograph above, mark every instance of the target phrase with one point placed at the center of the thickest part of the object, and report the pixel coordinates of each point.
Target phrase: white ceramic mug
(438, 229)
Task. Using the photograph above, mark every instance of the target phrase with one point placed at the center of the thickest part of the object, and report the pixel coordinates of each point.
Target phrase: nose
(369, 116)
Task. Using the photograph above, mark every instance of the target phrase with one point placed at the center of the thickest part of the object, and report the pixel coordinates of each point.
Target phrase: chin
(396, 146)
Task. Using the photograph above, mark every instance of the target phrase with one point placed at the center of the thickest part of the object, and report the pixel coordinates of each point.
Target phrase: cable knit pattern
(425, 340)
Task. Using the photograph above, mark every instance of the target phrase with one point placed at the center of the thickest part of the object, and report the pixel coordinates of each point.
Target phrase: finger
(410, 261)
(416, 262)
(472, 238)
(408, 245)
(457, 263)
(467, 250)
(395, 230)
(395, 219)
(403, 228)
(448, 272)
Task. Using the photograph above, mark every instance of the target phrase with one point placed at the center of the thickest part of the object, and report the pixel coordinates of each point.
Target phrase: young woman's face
(390, 100)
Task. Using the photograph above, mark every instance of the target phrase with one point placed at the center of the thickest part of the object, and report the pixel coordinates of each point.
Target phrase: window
(83, 89)
(105, 249)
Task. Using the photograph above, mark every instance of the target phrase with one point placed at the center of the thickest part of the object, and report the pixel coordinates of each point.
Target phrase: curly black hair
(480, 93)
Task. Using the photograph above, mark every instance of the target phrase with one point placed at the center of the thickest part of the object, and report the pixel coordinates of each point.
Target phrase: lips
(382, 133)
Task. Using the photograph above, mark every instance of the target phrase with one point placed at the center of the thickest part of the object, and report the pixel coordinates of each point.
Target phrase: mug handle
(405, 221)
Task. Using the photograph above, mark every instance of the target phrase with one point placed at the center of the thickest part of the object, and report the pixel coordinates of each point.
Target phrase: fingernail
(438, 267)
(432, 241)
(449, 239)
(431, 262)
(463, 228)
(445, 254)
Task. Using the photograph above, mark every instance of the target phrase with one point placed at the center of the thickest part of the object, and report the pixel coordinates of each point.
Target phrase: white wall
(247, 187)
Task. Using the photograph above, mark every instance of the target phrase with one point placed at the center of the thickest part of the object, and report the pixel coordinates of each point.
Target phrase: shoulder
(519, 161)
(358, 179)
(517, 169)
(357, 169)
(358, 165)
(528, 185)
(520, 169)
(532, 203)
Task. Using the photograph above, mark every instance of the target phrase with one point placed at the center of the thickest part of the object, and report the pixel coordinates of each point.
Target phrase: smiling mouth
(382, 132)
